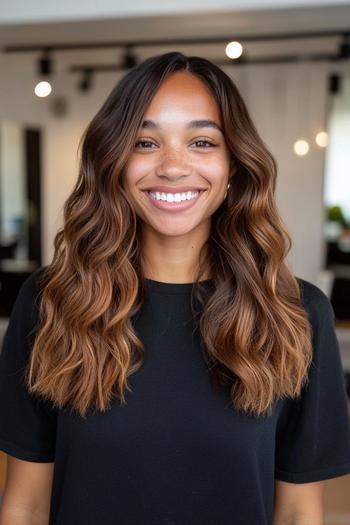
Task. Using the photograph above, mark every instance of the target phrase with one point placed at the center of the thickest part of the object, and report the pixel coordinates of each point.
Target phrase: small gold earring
(226, 190)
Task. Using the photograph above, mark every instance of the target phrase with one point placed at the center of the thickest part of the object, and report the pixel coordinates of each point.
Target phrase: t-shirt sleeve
(27, 421)
(313, 432)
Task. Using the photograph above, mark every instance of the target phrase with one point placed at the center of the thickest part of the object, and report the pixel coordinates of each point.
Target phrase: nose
(173, 164)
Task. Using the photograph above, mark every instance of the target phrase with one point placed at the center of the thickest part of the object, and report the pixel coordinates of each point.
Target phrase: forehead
(183, 96)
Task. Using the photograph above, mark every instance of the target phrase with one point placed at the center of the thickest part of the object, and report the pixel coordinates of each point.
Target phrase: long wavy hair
(254, 330)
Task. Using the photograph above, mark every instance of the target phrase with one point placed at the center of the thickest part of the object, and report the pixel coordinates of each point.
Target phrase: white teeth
(174, 197)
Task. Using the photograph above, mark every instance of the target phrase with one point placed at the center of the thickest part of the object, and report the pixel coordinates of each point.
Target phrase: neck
(172, 259)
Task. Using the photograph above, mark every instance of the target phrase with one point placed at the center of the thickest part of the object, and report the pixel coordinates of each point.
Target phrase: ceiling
(22, 11)
(200, 24)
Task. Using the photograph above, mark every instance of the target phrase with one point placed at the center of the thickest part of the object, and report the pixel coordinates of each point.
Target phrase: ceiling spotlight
(129, 58)
(43, 89)
(321, 139)
(85, 83)
(234, 50)
(301, 147)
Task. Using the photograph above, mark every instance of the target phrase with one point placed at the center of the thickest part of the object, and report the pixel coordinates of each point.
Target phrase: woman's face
(173, 156)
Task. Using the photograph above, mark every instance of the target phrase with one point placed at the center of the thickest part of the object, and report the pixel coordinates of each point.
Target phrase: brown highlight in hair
(254, 329)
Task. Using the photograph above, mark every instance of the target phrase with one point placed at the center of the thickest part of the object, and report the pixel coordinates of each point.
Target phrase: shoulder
(27, 301)
(22, 323)
(316, 303)
(31, 286)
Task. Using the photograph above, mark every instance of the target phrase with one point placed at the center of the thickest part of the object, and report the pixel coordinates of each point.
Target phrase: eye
(208, 144)
(143, 142)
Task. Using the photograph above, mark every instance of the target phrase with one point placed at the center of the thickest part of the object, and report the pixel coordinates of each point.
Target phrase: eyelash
(196, 141)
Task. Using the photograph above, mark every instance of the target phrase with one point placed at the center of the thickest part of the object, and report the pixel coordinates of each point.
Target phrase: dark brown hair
(254, 330)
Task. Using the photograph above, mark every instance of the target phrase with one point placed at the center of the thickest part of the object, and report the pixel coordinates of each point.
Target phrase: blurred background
(291, 63)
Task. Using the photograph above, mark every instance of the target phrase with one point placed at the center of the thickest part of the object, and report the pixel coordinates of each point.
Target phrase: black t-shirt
(177, 453)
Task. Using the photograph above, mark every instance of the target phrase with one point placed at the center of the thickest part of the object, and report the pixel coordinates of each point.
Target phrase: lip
(174, 189)
(174, 206)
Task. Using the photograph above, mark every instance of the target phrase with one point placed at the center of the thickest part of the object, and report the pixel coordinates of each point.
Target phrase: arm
(298, 503)
(27, 493)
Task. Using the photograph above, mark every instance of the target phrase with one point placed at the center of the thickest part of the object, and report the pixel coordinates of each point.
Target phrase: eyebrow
(204, 123)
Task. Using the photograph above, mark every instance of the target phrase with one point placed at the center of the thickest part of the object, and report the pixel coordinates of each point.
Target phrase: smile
(174, 201)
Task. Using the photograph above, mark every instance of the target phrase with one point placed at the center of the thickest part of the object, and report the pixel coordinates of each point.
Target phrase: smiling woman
(167, 361)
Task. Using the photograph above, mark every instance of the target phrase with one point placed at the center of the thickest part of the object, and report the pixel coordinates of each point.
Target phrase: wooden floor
(337, 496)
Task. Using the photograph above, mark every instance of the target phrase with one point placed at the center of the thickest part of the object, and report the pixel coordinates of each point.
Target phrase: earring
(226, 190)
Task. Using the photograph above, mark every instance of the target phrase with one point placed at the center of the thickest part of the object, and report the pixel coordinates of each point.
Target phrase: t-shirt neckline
(173, 288)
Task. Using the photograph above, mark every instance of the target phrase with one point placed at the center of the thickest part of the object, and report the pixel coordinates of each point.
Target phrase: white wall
(284, 101)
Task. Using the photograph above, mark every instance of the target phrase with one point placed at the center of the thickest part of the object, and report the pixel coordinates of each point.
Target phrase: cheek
(133, 172)
(215, 169)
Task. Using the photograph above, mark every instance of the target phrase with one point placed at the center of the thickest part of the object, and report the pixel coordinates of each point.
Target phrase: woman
(176, 371)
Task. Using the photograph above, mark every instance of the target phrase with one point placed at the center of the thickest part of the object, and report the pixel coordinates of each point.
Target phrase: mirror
(19, 192)
(337, 194)
(20, 208)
